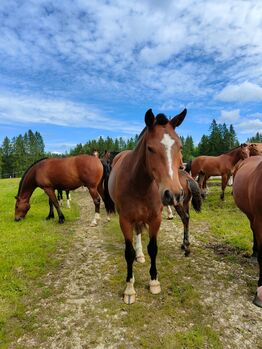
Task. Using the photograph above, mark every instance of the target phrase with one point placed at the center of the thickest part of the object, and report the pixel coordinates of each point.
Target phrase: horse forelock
(161, 119)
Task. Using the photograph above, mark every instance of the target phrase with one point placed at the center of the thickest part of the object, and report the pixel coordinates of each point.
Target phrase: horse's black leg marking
(130, 255)
(254, 254)
(152, 251)
(51, 210)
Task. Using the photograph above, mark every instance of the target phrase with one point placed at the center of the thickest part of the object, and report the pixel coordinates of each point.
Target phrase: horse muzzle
(17, 219)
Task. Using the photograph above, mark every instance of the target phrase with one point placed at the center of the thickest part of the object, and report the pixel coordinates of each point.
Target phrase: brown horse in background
(192, 191)
(67, 173)
(141, 182)
(222, 165)
(247, 192)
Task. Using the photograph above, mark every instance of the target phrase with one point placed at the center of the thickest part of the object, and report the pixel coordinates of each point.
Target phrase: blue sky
(77, 70)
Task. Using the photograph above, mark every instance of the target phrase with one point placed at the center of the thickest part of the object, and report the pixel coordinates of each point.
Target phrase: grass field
(26, 252)
(95, 272)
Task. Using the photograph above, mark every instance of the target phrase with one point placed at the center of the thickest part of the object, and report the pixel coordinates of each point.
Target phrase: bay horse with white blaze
(206, 166)
(67, 173)
(247, 192)
(141, 182)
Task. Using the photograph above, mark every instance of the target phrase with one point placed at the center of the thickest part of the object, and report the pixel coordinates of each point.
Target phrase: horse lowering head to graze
(222, 165)
(141, 182)
(247, 192)
(66, 173)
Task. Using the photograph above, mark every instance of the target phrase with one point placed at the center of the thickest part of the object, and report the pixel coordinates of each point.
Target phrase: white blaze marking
(168, 142)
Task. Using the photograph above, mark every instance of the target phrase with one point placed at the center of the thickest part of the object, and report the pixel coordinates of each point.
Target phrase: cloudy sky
(75, 70)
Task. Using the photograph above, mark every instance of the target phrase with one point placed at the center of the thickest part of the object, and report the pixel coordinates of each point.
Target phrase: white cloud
(229, 116)
(244, 92)
(250, 126)
(24, 109)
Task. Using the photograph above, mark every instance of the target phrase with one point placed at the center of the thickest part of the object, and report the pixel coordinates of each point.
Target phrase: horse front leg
(201, 182)
(183, 212)
(96, 199)
(52, 197)
(225, 179)
(140, 257)
(130, 255)
(51, 210)
(257, 230)
(154, 284)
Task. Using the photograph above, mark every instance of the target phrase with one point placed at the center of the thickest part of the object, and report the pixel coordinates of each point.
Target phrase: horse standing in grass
(67, 173)
(141, 182)
(222, 165)
(191, 191)
(247, 192)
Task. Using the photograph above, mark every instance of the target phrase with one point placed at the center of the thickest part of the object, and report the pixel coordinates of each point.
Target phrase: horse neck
(234, 156)
(28, 185)
(139, 171)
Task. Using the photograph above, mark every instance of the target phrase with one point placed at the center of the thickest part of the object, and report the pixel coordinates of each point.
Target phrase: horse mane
(239, 146)
(25, 173)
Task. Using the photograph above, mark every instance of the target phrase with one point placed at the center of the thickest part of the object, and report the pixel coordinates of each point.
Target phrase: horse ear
(149, 118)
(243, 145)
(178, 119)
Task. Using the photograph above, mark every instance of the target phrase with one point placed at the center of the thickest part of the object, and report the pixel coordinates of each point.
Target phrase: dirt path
(83, 306)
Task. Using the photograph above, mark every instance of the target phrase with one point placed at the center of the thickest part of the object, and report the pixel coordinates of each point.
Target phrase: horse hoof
(183, 247)
(61, 221)
(154, 286)
(108, 219)
(140, 259)
(170, 217)
(187, 252)
(93, 224)
(129, 298)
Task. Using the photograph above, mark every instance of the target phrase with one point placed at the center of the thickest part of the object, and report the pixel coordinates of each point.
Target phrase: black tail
(196, 194)
(109, 203)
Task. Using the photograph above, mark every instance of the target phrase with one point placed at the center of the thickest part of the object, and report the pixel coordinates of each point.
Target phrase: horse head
(22, 206)
(163, 154)
(244, 151)
(253, 150)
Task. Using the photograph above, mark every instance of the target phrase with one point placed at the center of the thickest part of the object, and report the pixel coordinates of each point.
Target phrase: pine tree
(7, 158)
(255, 139)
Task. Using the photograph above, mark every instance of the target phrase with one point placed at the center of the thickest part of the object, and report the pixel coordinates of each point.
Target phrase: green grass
(225, 220)
(26, 252)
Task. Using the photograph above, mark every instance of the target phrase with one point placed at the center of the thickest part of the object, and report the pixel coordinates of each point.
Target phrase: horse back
(70, 172)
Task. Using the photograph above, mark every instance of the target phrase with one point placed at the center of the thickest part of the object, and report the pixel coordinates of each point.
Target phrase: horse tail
(196, 194)
(109, 203)
(188, 166)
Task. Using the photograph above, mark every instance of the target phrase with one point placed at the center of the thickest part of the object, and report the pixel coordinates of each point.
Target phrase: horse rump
(196, 194)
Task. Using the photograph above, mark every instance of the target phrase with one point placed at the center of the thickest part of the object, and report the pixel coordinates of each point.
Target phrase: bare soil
(81, 306)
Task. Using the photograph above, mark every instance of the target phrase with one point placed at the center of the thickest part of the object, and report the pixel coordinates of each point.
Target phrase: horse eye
(151, 150)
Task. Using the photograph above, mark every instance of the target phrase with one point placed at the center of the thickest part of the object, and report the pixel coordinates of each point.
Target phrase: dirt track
(83, 307)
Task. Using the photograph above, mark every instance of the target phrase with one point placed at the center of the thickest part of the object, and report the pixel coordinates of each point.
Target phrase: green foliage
(255, 139)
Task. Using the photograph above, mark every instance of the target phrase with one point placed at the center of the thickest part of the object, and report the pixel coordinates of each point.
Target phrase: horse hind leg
(96, 199)
(169, 212)
(184, 215)
(68, 199)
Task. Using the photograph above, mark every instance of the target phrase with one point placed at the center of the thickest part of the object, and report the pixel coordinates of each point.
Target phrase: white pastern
(168, 142)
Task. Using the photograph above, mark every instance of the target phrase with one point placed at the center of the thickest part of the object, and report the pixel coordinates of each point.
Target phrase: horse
(192, 191)
(247, 193)
(222, 165)
(60, 197)
(67, 173)
(141, 181)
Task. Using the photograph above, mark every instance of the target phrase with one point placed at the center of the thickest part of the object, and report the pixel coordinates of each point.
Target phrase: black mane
(26, 171)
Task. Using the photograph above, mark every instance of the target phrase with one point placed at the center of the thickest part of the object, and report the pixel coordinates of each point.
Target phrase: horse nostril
(168, 198)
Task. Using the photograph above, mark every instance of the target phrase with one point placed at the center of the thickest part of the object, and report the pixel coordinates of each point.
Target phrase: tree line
(17, 154)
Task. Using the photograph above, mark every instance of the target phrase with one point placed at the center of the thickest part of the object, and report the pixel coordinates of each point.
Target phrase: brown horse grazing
(141, 182)
(64, 174)
(192, 191)
(247, 192)
(222, 165)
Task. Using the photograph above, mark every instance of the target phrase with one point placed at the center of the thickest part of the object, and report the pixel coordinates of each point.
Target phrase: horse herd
(139, 182)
